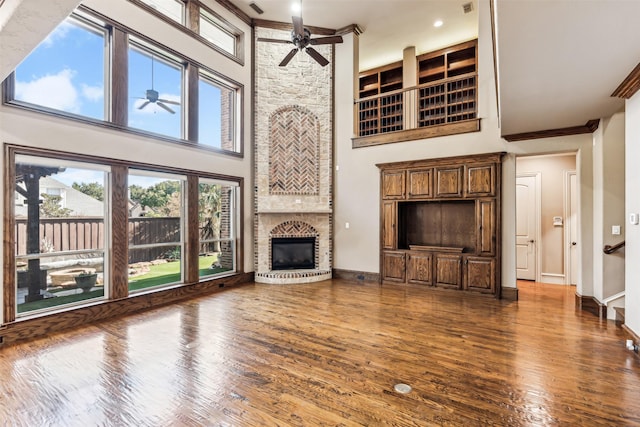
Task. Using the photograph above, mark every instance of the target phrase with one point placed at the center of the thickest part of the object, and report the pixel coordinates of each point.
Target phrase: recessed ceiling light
(438, 23)
(296, 7)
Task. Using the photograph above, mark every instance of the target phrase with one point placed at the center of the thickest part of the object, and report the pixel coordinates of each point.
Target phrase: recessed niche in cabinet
(449, 224)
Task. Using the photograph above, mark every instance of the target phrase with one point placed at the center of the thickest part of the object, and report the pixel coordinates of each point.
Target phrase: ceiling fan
(153, 97)
(301, 39)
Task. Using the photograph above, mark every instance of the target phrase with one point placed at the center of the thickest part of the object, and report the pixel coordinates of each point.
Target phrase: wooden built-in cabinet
(440, 223)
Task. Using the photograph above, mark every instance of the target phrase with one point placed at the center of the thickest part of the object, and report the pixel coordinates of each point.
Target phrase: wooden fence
(79, 233)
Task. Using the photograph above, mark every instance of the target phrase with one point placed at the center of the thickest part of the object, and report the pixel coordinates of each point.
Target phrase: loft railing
(431, 104)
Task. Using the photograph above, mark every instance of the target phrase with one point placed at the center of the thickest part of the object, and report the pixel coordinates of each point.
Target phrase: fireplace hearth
(293, 253)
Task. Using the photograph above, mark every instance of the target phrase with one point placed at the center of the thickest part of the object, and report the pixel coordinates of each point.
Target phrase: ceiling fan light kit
(301, 39)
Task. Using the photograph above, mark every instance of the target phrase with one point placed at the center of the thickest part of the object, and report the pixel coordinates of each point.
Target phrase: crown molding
(588, 127)
(630, 85)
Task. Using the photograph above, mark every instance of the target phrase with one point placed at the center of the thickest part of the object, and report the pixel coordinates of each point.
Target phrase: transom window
(173, 9)
(217, 32)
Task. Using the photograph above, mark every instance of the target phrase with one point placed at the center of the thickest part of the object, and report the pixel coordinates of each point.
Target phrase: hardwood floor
(330, 353)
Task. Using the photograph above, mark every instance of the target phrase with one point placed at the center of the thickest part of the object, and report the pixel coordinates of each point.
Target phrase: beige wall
(552, 203)
(357, 179)
(609, 186)
(632, 202)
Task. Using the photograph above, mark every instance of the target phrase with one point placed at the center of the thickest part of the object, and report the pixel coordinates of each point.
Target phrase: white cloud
(92, 93)
(53, 91)
(153, 108)
(59, 33)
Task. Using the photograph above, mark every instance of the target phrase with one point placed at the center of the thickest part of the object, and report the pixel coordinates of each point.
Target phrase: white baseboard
(552, 278)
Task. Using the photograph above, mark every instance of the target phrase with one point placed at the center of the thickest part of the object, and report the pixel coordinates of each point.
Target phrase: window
(60, 250)
(69, 75)
(155, 229)
(155, 89)
(217, 218)
(173, 9)
(66, 72)
(217, 110)
(216, 31)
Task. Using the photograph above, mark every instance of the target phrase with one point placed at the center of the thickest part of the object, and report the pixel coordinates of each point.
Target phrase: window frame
(55, 161)
(116, 194)
(116, 94)
(181, 241)
(234, 221)
(191, 26)
(154, 51)
(90, 23)
(235, 109)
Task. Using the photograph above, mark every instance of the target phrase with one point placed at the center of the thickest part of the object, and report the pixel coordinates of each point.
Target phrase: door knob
(532, 241)
(573, 243)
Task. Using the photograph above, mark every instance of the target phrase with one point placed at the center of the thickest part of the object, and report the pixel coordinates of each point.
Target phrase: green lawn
(158, 275)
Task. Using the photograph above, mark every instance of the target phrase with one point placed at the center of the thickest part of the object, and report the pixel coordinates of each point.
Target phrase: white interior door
(526, 227)
(572, 219)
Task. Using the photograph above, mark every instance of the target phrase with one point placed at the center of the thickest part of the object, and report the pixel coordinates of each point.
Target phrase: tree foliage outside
(51, 208)
(163, 198)
(92, 189)
(209, 213)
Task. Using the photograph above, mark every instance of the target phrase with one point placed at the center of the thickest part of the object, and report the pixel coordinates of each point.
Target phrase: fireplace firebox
(293, 253)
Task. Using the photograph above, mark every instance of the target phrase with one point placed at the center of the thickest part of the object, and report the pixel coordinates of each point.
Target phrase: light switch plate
(633, 218)
(615, 229)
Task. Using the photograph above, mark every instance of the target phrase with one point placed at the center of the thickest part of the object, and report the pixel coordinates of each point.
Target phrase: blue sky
(67, 72)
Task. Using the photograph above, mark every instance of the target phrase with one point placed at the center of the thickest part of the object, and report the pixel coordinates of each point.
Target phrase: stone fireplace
(293, 164)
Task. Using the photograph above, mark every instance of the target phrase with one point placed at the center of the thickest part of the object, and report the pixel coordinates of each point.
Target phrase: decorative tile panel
(294, 151)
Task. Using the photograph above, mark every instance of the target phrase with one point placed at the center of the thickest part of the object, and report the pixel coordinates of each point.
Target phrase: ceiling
(558, 61)
(389, 25)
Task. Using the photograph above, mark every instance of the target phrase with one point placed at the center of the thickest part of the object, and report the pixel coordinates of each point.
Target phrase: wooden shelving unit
(440, 223)
(382, 114)
(452, 96)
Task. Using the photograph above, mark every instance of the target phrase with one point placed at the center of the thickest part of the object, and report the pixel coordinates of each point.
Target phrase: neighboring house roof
(79, 203)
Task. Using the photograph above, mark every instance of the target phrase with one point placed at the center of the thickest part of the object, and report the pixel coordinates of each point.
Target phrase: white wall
(37, 130)
(632, 201)
(357, 181)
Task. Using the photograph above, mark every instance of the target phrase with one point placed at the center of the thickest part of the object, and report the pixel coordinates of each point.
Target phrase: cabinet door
(420, 270)
(486, 221)
(420, 184)
(480, 274)
(481, 180)
(448, 271)
(392, 185)
(388, 225)
(393, 266)
(449, 182)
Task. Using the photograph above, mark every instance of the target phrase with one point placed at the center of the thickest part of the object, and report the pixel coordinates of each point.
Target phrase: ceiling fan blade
(161, 105)
(262, 39)
(144, 104)
(287, 58)
(316, 55)
(168, 101)
(298, 28)
(326, 40)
